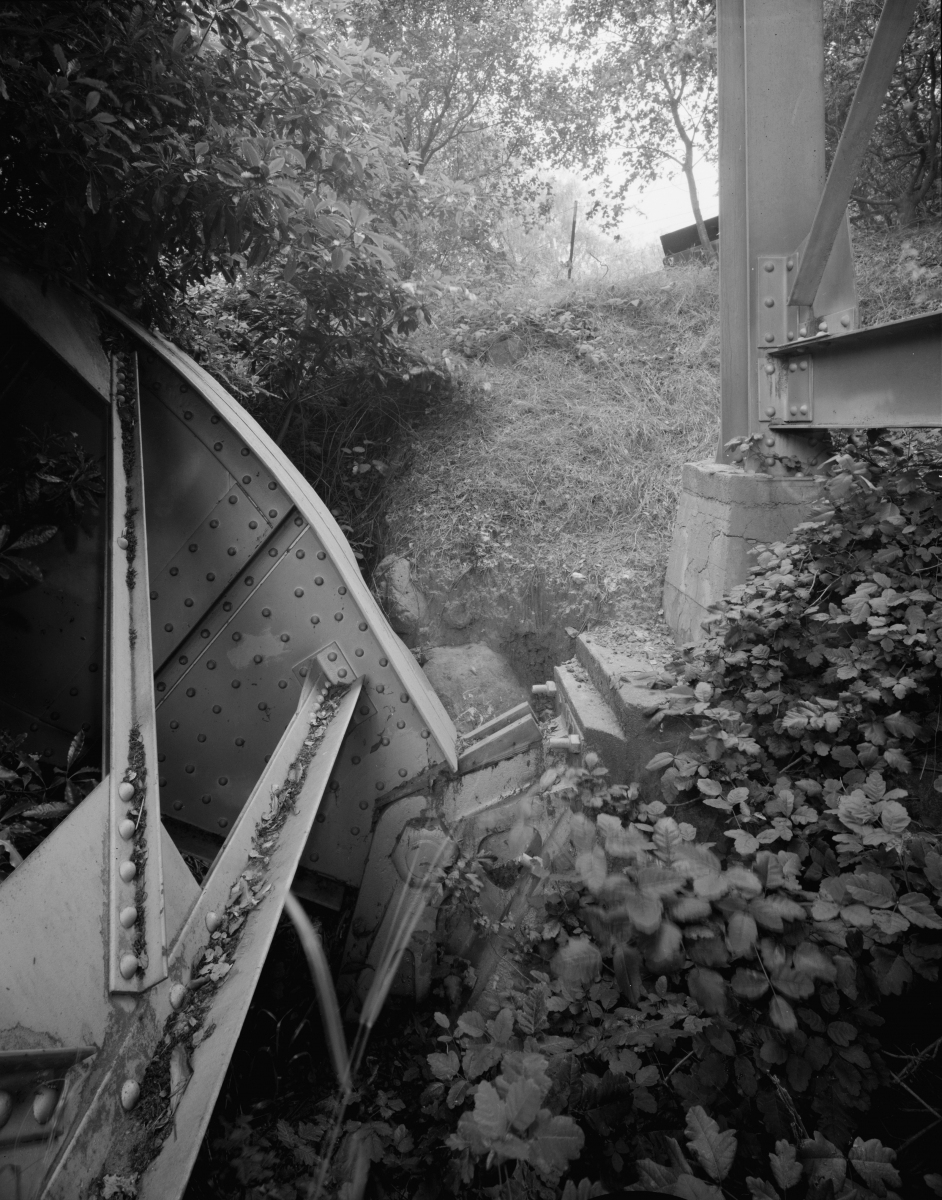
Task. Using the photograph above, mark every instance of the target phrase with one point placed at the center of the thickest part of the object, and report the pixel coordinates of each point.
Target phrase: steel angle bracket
(137, 950)
(186, 1027)
(887, 376)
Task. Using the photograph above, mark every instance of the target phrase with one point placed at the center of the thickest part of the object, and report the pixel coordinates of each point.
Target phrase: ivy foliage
(729, 995)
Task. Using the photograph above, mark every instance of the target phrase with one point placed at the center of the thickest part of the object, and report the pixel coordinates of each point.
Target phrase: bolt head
(126, 792)
(127, 916)
(130, 1094)
(128, 966)
(127, 871)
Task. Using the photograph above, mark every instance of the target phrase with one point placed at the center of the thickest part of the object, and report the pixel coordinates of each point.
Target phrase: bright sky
(666, 205)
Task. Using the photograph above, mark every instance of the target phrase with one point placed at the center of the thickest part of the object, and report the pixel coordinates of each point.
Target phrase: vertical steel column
(772, 171)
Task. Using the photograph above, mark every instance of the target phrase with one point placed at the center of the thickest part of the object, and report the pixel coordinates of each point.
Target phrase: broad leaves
(715, 1149)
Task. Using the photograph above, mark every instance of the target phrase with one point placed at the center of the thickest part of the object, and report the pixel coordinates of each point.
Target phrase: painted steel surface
(233, 601)
(888, 376)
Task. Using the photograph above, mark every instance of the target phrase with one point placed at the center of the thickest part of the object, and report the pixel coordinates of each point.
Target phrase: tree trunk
(708, 252)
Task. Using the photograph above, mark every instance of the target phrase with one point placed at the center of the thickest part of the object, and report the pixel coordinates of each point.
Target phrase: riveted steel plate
(214, 553)
(137, 956)
(225, 698)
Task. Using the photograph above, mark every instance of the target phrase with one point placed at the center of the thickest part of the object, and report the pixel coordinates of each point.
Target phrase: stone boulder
(474, 683)
(403, 603)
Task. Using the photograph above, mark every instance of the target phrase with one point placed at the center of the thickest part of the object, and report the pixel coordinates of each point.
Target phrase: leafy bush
(738, 987)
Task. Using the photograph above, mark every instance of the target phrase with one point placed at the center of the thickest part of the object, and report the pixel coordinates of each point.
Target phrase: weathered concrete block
(592, 718)
(619, 680)
(723, 512)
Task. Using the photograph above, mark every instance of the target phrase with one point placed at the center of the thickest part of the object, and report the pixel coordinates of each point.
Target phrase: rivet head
(126, 792)
(769, 266)
(257, 658)
(246, 478)
(793, 409)
(126, 829)
(211, 664)
(426, 733)
(178, 806)
(770, 441)
(193, 547)
(791, 336)
(127, 916)
(222, 823)
(299, 592)
(44, 1105)
(355, 830)
(770, 411)
(130, 1094)
(266, 612)
(804, 410)
(123, 543)
(803, 331)
(381, 787)
(793, 367)
(191, 692)
(403, 772)
(769, 302)
(240, 741)
(128, 966)
(823, 326)
(845, 321)
(127, 871)
(802, 366)
(282, 683)
(233, 499)
(231, 551)
(770, 337)
(217, 446)
(286, 637)
(770, 368)
(790, 264)
(177, 996)
(214, 524)
(213, 921)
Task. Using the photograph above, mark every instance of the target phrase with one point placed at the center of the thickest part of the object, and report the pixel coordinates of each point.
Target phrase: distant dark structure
(684, 244)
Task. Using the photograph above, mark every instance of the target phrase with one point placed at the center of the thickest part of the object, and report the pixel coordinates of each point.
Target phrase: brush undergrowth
(748, 1019)
(569, 458)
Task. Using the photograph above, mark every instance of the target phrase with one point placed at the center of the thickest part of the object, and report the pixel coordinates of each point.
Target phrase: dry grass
(556, 465)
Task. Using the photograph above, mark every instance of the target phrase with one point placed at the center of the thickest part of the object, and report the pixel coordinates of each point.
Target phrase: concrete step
(606, 697)
(585, 712)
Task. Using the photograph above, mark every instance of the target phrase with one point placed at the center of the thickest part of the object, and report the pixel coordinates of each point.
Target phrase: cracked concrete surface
(723, 513)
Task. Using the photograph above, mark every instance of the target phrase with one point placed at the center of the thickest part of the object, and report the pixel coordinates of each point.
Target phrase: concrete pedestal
(721, 515)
